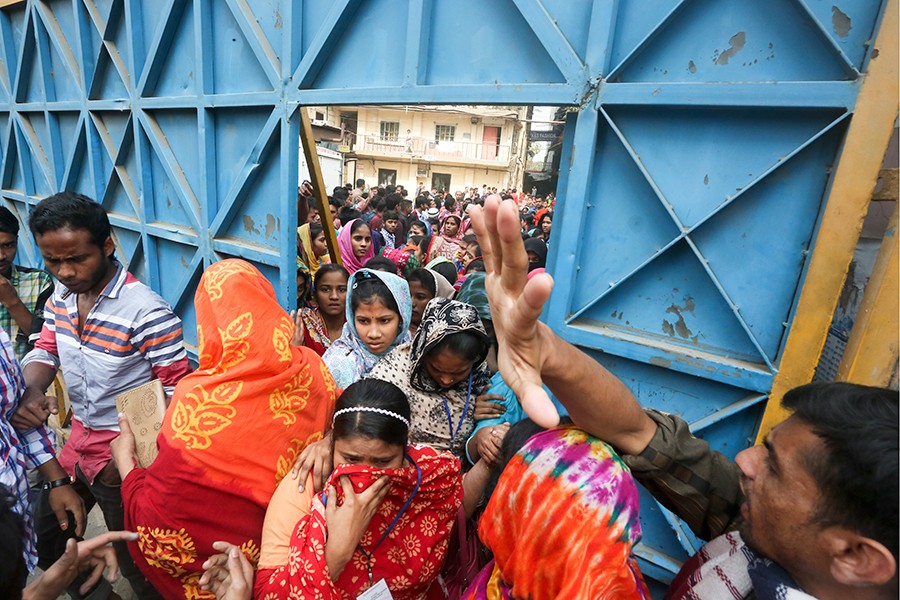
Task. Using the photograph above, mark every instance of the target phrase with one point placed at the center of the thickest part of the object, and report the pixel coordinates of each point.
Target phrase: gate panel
(693, 171)
(686, 238)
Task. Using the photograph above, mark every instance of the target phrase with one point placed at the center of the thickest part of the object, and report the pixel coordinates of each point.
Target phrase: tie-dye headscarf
(562, 523)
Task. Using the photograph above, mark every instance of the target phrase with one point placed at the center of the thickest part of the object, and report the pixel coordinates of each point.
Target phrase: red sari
(232, 431)
(409, 555)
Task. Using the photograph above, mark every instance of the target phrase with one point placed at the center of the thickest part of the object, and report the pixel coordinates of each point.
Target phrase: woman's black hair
(425, 280)
(515, 438)
(368, 288)
(449, 201)
(420, 224)
(347, 214)
(476, 265)
(330, 268)
(470, 238)
(372, 393)
(314, 230)
(359, 224)
(380, 263)
(465, 344)
(448, 270)
(424, 246)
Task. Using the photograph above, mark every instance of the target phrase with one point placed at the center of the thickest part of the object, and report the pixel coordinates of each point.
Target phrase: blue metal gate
(694, 169)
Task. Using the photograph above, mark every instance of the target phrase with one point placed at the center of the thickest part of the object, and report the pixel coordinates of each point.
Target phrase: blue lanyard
(462, 417)
(393, 524)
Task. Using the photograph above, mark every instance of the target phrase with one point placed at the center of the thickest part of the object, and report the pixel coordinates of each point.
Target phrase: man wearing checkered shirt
(23, 291)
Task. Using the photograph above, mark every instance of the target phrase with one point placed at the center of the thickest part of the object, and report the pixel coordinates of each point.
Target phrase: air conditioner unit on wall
(319, 122)
(422, 169)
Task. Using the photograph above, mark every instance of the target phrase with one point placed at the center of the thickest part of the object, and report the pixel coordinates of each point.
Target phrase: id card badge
(379, 591)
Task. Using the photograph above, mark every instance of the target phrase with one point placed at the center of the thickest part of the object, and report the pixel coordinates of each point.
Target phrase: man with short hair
(389, 230)
(110, 333)
(812, 513)
(23, 291)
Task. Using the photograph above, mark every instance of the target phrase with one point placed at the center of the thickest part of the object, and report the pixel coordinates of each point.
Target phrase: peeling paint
(841, 22)
(657, 361)
(184, 262)
(692, 67)
(680, 327)
(668, 329)
(706, 179)
(278, 21)
(270, 225)
(250, 225)
(737, 42)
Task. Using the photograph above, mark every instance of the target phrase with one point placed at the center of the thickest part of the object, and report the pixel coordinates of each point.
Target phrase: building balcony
(464, 152)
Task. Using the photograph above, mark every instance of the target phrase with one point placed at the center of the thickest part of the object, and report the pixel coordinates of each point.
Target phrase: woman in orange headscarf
(233, 429)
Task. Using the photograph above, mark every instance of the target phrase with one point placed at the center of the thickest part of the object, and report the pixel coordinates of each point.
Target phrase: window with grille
(390, 131)
(444, 133)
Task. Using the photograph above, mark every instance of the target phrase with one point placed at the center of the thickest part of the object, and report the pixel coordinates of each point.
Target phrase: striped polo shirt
(130, 337)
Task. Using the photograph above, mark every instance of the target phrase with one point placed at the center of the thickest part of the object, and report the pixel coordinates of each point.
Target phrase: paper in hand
(144, 407)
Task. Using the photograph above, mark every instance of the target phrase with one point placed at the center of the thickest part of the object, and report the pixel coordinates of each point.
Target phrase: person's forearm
(21, 315)
(40, 590)
(474, 483)
(336, 559)
(38, 375)
(597, 400)
(52, 470)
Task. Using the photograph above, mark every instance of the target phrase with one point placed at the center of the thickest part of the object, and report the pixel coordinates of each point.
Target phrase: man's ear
(109, 247)
(857, 560)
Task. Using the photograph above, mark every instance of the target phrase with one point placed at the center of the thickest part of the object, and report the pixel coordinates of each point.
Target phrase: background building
(444, 147)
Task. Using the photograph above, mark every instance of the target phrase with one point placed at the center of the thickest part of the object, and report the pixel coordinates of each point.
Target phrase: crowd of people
(410, 431)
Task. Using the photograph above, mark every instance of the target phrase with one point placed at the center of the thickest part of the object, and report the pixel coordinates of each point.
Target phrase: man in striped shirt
(108, 333)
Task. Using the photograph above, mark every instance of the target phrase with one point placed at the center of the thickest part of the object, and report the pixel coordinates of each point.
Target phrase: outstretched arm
(531, 353)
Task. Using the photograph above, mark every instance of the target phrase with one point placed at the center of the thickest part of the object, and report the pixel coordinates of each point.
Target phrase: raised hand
(516, 304)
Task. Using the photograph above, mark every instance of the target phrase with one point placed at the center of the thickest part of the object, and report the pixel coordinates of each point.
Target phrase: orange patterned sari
(231, 432)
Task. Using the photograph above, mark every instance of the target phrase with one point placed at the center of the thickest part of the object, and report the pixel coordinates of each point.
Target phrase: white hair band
(380, 411)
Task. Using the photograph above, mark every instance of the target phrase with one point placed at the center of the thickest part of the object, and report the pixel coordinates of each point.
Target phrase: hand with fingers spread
(530, 352)
(315, 459)
(515, 304)
(228, 575)
(348, 522)
(95, 555)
